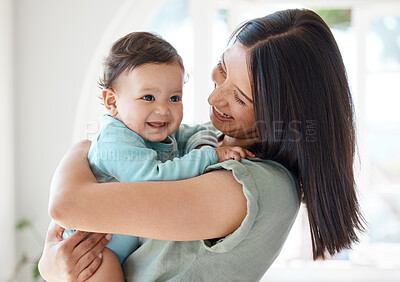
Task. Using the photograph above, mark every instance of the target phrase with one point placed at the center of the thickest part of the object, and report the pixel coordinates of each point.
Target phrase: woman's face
(231, 101)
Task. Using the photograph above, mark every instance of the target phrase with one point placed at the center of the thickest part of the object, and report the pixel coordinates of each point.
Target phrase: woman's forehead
(237, 49)
(236, 63)
(235, 58)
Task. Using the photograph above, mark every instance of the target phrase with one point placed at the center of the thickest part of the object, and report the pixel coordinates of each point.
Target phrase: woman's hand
(71, 259)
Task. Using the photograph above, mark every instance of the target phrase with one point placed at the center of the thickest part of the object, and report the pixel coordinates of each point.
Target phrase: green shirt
(244, 255)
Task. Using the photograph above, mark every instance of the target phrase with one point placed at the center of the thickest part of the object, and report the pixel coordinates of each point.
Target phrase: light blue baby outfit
(119, 154)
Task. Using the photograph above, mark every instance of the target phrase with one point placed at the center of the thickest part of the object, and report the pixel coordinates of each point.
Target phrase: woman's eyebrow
(241, 92)
(244, 95)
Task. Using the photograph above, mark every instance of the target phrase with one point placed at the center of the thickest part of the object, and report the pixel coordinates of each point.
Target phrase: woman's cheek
(247, 117)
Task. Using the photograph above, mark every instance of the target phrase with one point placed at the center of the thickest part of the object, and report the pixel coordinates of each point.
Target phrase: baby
(142, 138)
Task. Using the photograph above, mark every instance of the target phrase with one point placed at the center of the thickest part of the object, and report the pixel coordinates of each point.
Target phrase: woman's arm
(208, 206)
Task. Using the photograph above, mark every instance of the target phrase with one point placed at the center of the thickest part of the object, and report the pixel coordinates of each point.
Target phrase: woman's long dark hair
(304, 114)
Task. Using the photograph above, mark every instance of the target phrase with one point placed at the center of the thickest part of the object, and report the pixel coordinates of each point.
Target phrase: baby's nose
(162, 109)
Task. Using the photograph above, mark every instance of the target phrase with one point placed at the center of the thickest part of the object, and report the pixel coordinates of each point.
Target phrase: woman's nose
(216, 97)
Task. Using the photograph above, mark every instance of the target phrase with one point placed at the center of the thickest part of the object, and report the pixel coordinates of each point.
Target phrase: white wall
(54, 41)
(7, 243)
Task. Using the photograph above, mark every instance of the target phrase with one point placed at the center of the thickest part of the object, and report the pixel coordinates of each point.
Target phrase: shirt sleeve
(120, 153)
(271, 201)
(189, 137)
(242, 176)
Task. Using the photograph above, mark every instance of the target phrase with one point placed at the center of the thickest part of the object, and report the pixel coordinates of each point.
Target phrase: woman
(280, 91)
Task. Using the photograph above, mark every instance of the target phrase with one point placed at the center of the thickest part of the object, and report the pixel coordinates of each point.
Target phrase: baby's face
(149, 100)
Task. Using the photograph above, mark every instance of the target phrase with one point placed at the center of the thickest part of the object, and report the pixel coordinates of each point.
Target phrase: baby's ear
(110, 101)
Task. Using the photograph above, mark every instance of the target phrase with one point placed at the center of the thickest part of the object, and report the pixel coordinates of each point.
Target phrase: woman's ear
(110, 101)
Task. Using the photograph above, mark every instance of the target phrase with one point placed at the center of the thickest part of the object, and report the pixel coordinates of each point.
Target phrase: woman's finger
(88, 243)
(76, 237)
(91, 254)
(69, 244)
(54, 232)
(90, 270)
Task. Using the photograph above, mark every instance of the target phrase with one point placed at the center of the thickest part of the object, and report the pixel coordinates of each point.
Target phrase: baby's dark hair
(136, 49)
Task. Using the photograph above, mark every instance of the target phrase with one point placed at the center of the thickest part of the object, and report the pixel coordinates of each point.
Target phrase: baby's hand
(232, 153)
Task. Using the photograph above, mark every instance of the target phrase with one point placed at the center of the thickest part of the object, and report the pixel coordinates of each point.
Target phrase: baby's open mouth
(157, 124)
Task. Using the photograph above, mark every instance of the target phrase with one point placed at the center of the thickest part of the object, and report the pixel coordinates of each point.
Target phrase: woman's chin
(216, 123)
(222, 126)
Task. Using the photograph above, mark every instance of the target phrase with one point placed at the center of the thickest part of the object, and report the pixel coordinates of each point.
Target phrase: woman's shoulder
(271, 175)
(278, 192)
(262, 176)
(272, 206)
(270, 190)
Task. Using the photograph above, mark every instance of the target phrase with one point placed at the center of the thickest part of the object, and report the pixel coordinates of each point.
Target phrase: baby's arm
(191, 137)
(133, 161)
(196, 136)
(122, 154)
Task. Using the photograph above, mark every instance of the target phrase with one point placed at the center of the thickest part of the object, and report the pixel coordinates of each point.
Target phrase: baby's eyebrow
(149, 89)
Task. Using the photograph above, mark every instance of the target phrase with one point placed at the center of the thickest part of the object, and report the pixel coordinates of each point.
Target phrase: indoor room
(52, 55)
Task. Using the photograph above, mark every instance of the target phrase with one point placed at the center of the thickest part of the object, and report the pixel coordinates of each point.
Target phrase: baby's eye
(148, 97)
(175, 99)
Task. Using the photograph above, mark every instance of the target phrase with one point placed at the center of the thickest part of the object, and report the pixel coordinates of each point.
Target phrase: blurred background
(51, 53)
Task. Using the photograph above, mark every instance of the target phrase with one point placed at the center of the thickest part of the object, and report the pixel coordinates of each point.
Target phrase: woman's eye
(148, 97)
(240, 101)
(175, 99)
(220, 69)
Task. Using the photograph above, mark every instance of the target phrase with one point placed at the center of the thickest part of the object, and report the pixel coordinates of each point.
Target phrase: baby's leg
(109, 270)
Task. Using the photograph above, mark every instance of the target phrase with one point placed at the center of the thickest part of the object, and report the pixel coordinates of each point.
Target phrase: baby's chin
(155, 137)
(165, 140)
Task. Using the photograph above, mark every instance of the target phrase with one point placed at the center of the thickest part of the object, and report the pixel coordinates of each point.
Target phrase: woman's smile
(220, 115)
